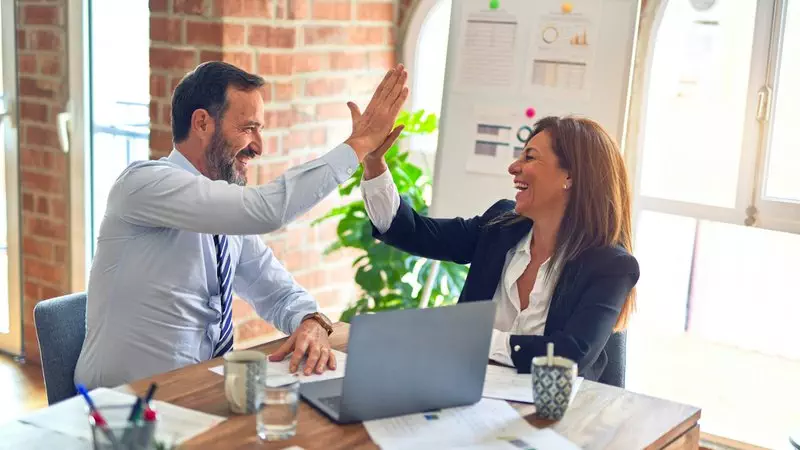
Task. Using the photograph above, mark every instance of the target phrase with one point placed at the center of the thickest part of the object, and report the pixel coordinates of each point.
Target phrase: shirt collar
(177, 157)
(524, 245)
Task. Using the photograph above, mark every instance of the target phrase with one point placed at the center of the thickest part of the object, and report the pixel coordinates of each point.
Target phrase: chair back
(614, 373)
(60, 329)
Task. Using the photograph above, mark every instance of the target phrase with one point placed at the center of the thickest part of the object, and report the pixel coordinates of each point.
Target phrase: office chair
(60, 329)
(614, 373)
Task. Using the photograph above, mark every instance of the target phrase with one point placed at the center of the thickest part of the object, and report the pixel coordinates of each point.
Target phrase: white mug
(244, 371)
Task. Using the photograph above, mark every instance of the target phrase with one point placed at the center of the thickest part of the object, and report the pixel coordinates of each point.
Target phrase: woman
(556, 261)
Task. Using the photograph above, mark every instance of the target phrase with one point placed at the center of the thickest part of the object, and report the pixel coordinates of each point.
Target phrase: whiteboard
(507, 59)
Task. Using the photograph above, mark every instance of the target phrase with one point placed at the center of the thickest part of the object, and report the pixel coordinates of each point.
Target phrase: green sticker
(494, 4)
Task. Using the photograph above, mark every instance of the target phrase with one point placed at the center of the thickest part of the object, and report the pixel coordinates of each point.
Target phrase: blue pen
(100, 422)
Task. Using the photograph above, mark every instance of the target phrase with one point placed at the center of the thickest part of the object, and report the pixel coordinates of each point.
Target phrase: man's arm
(269, 288)
(159, 195)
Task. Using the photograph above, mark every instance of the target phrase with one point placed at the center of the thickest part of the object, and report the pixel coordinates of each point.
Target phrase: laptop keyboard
(332, 402)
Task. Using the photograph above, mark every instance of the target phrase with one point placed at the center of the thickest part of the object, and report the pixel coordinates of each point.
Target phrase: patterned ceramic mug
(553, 381)
(243, 371)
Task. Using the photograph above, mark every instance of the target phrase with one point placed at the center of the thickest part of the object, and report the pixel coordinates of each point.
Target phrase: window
(424, 51)
(717, 303)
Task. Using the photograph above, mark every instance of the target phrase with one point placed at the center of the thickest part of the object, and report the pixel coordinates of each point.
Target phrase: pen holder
(117, 433)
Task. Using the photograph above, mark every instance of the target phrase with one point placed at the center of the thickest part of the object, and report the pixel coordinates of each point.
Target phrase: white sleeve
(381, 200)
(500, 349)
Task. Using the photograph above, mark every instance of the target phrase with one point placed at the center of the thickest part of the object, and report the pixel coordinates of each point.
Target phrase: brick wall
(42, 66)
(315, 56)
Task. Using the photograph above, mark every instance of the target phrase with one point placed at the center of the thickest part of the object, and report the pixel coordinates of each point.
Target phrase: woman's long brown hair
(598, 213)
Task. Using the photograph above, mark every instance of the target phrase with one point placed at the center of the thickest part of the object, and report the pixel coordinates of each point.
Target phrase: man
(180, 234)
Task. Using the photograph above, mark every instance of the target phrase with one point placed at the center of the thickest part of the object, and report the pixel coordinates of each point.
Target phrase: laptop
(409, 361)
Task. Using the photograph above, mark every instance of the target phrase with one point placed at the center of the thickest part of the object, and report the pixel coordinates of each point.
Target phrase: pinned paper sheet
(176, 424)
(278, 372)
(488, 424)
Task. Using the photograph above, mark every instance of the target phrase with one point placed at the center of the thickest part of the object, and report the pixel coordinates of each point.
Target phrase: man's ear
(202, 123)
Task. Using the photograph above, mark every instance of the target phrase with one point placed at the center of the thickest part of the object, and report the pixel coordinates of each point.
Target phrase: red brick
(375, 11)
(365, 84)
(160, 140)
(173, 83)
(242, 60)
(32, 111)
(310, 62)
(327, 111)
(174, 59)
(331, 10)
(297, 9)
(381, 59)
(27, 63)
(214, 33)
(50, 64)
(42, 206)
(58, 209)
(60, 254)
(242, 310)
(31, 290)
(272, 64)
(334, 35)
(155, 107)
(273, 37)
(47, 272)
(278, 119)
(28, 203)
(164, 29)
(284, 92)
(36, 226)
(158, 6)
(158, 85)
(242, 8)
(192, 7)
(253, 329)
(299, 236)
(35, 135)
(210, 55)
(44, 40)
(21, 40)
(366, 35)
(41, 15)
(271, 171)
(325, 87)
(345, 61)
(166, 115)
(311, 279)
(40, 182)
(37, 248)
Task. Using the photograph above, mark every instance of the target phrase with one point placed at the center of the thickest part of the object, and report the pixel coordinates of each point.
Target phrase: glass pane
(120, 33)
(782, 182)
(696, 102)
(429, 68)
(3, 210)
(720, 300)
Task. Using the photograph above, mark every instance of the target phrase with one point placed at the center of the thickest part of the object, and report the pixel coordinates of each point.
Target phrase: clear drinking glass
(276, 418)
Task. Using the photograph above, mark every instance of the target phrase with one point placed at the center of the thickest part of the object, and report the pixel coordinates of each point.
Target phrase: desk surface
(600, 417)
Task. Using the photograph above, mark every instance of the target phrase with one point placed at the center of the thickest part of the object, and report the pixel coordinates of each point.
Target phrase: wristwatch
(320, 319)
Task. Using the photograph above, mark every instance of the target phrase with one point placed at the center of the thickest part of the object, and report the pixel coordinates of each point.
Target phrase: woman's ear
(567, 183)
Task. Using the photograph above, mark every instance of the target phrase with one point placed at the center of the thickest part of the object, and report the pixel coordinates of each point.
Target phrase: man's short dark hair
(205, 88)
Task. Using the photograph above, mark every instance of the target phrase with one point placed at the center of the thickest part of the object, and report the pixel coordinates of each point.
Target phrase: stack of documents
(505, 383)
(488, 424)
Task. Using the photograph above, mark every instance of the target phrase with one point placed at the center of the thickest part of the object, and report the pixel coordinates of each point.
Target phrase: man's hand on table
(309, 339)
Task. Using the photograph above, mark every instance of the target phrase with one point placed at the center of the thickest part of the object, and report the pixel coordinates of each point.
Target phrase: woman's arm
(592, 322)
(397, 224)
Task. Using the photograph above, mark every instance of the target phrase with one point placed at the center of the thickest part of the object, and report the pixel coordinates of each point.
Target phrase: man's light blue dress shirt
(153, 296)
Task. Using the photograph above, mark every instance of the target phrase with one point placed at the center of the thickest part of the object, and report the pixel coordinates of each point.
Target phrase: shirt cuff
(298, 318)
(500, 350)
(381, 181)
(343, 161)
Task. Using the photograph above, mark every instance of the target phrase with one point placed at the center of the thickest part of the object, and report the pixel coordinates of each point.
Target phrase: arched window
(424, 54)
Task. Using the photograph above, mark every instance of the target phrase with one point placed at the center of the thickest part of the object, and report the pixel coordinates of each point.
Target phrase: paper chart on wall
(487, 48)
(499, 138)
(563, 44)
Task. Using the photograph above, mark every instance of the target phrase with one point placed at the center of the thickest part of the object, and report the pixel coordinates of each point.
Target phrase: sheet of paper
(545, 439)
(487, 422)
(176, 424)
(15, 434)
(499, 137)
(487, 45)
(562, 47)
(278, 372)
(505, 383)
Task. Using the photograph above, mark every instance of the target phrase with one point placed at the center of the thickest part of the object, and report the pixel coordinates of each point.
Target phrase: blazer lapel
(489, 263)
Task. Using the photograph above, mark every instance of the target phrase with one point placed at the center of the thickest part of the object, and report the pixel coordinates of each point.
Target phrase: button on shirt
(382, 202)
(154, 300)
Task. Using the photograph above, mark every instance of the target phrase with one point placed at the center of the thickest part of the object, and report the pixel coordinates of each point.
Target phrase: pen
(99, 420)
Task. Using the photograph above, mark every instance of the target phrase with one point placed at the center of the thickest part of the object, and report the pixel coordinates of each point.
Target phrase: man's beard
(219, 163)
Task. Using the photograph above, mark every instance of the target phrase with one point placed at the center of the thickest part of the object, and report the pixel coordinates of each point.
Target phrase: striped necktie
(224, 274)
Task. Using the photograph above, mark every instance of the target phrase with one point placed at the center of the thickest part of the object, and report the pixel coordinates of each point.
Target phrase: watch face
(702, 5)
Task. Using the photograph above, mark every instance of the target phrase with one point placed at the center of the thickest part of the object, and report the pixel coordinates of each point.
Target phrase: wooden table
(601, 416)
